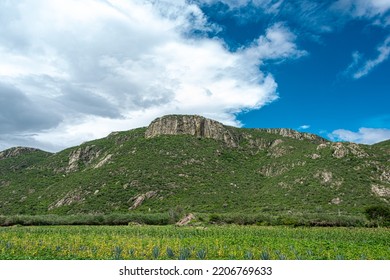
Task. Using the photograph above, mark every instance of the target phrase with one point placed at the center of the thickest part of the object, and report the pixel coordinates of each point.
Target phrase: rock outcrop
(17, 151)
(83, 155)
(191, 125)
(186, 220)
(380, 191)
(342, 149)
(71, 197)
(291, 133)
(139, 199)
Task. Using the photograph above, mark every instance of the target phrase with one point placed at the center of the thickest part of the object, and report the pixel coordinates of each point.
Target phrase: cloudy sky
(75, 70)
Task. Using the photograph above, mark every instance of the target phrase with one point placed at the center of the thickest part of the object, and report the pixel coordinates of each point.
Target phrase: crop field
(214, 242)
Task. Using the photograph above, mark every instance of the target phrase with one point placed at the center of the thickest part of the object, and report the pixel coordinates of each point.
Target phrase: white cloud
(364, 8)
(305, 126)
(356, 59)
(360, 68)
(378, 13)
(270, 6)
(99, 66)
(369, 65)
(277, 43)
(363, 136)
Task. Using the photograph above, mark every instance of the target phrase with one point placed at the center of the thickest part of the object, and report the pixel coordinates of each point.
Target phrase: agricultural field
(214, 242)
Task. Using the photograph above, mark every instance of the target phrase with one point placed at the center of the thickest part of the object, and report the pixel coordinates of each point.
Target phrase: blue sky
(323, 91)
(72, 71)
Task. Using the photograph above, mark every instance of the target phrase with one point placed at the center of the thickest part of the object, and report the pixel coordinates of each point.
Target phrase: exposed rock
(68, 199)
(315, 156)
(284, 185)
(276, 169)
(83, 155)
(380, 191)
(385, 176)
(356, 150)
(324, 176)
(290, 133)
(103, 161)
(5, 183)
(139, 199)
(339, 150)
(322, 146)
(191, 125)
(336, 201)
(277, 151)
(272, 170)
(276, 142)
(17, 151)
(186, 220)
(259, 143)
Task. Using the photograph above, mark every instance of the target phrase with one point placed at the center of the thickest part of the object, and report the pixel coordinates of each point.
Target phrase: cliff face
(191, 125)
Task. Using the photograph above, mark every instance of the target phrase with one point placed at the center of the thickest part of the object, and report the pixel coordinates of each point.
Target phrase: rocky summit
(198, 165)
(17, 151)
(191, 125)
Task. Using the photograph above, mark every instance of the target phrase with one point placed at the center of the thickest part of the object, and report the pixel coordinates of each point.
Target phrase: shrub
(378, 214)
(175, 214)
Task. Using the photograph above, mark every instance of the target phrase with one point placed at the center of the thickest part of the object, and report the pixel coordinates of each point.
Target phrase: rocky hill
(191, 125)
(199, 165)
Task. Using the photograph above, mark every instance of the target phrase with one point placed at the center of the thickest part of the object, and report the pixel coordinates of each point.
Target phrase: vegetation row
(375, 216)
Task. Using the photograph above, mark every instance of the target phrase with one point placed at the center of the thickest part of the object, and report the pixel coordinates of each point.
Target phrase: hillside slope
(201, 166)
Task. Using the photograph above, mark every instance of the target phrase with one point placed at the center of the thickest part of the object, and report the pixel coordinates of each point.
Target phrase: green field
(214, 242)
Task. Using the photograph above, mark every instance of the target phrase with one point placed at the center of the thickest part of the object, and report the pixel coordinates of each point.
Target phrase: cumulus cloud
(76, 70)
(363, 136)
(277, 43)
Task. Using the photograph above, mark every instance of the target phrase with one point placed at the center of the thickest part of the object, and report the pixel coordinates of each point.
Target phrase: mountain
(201, 166)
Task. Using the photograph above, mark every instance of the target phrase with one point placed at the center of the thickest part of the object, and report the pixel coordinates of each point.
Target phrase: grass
(214, 242)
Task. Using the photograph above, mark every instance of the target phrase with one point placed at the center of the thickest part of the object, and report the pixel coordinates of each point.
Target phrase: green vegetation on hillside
(266, 174)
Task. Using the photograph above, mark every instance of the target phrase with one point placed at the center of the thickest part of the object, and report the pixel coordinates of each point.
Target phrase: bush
(215, 219)
(175, 214)
(111, 219)
(378, 214)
